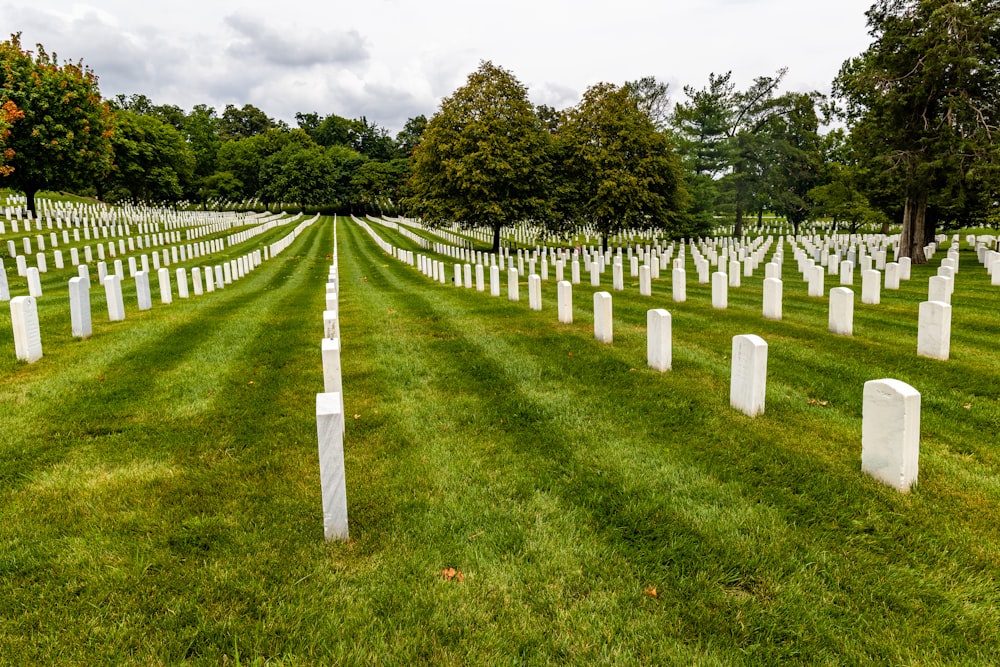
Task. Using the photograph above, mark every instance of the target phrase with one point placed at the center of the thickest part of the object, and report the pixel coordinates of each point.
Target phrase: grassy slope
(161, 500)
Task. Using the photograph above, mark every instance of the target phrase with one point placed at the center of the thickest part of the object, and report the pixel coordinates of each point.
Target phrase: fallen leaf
(250, 382)
(451, 573)
(357, 416)
(479, 534)
(571, 354)
(631, 369)
(967, 406)
(651, 592)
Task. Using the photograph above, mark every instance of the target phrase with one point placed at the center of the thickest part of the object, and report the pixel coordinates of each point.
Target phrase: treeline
(163, 154)
(917, 144)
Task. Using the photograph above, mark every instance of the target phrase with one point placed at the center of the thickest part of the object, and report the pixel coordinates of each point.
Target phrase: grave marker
(27, 334)
(934, 330)
(720, 290)
(772, 298)
(748, 379)
(602, 317)
(113, 292)
(330, 435)
(565, 296)
(659, 343)
(842, 311)
(890, 432)
(142, 291)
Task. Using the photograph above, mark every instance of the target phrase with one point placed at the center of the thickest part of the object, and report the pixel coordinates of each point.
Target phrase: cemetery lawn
(518, 493)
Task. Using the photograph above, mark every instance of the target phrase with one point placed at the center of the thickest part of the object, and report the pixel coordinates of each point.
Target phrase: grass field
(518, 493)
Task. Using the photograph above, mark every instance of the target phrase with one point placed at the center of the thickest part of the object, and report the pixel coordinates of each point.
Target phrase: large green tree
(64, 138)
(701, 127)
(922, 106)
(794, 157)
(483, 158)
(153, 163)
(621, 171)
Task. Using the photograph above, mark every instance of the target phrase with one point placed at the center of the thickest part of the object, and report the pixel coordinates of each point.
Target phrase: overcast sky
(389, 60)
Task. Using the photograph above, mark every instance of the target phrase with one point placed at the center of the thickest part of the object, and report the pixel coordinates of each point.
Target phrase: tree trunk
(604, 242)
(496, 239)
(29, 194)
(913, 237)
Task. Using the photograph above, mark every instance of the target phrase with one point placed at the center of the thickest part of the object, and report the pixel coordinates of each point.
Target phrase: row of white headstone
(890, 432)
(330, 422)
(891, 408)
(24, 309)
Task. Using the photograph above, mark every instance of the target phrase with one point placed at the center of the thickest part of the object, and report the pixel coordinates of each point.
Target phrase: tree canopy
(483, 158)
(64, 136)
(922, 108)
(619, 171)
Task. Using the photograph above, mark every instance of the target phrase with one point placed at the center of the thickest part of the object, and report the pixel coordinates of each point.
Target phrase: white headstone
(565, 296)
(934, 330)
(772, 298)
(196, 281)
(163, 277)
(331, 324)
(720, 290)
(871, 287)
(939, 288)
(890, 432)
(842, 311)
(513, 291)
(142, 291)
(332, 378)
(535, 292)
(27, 333)
(494, 280)
(79, 307)
(330, 435)
(748, 380)
(645, 281)
(34, 282)
(679, 285)
(734, 273)
(4, 287)
(659, 339)
(113, 292)
(182, 283)
(892, 276)
(603, 329)
(816, 278)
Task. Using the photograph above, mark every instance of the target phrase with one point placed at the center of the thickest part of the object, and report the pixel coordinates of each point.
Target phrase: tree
(922, 106)
(621, 172)
(794, 161)
(9, 114)
(201, 131)
(152, 161)
(653, 97)
(701, 127)
(752, 112)
(410, 136)
(244, 158)
(482, 161)
(63, 139)
(243, 123)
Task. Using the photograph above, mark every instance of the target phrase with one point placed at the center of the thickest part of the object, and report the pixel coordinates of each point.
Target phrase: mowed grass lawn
(518, 492)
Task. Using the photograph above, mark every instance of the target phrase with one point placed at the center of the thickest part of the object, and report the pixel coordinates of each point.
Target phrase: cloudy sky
(389, 60)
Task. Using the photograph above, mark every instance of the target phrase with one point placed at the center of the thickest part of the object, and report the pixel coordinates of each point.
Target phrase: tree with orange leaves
(62, 136)
(8, 114)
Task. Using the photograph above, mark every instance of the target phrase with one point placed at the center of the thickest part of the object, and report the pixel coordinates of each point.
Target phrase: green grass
(160, 492)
